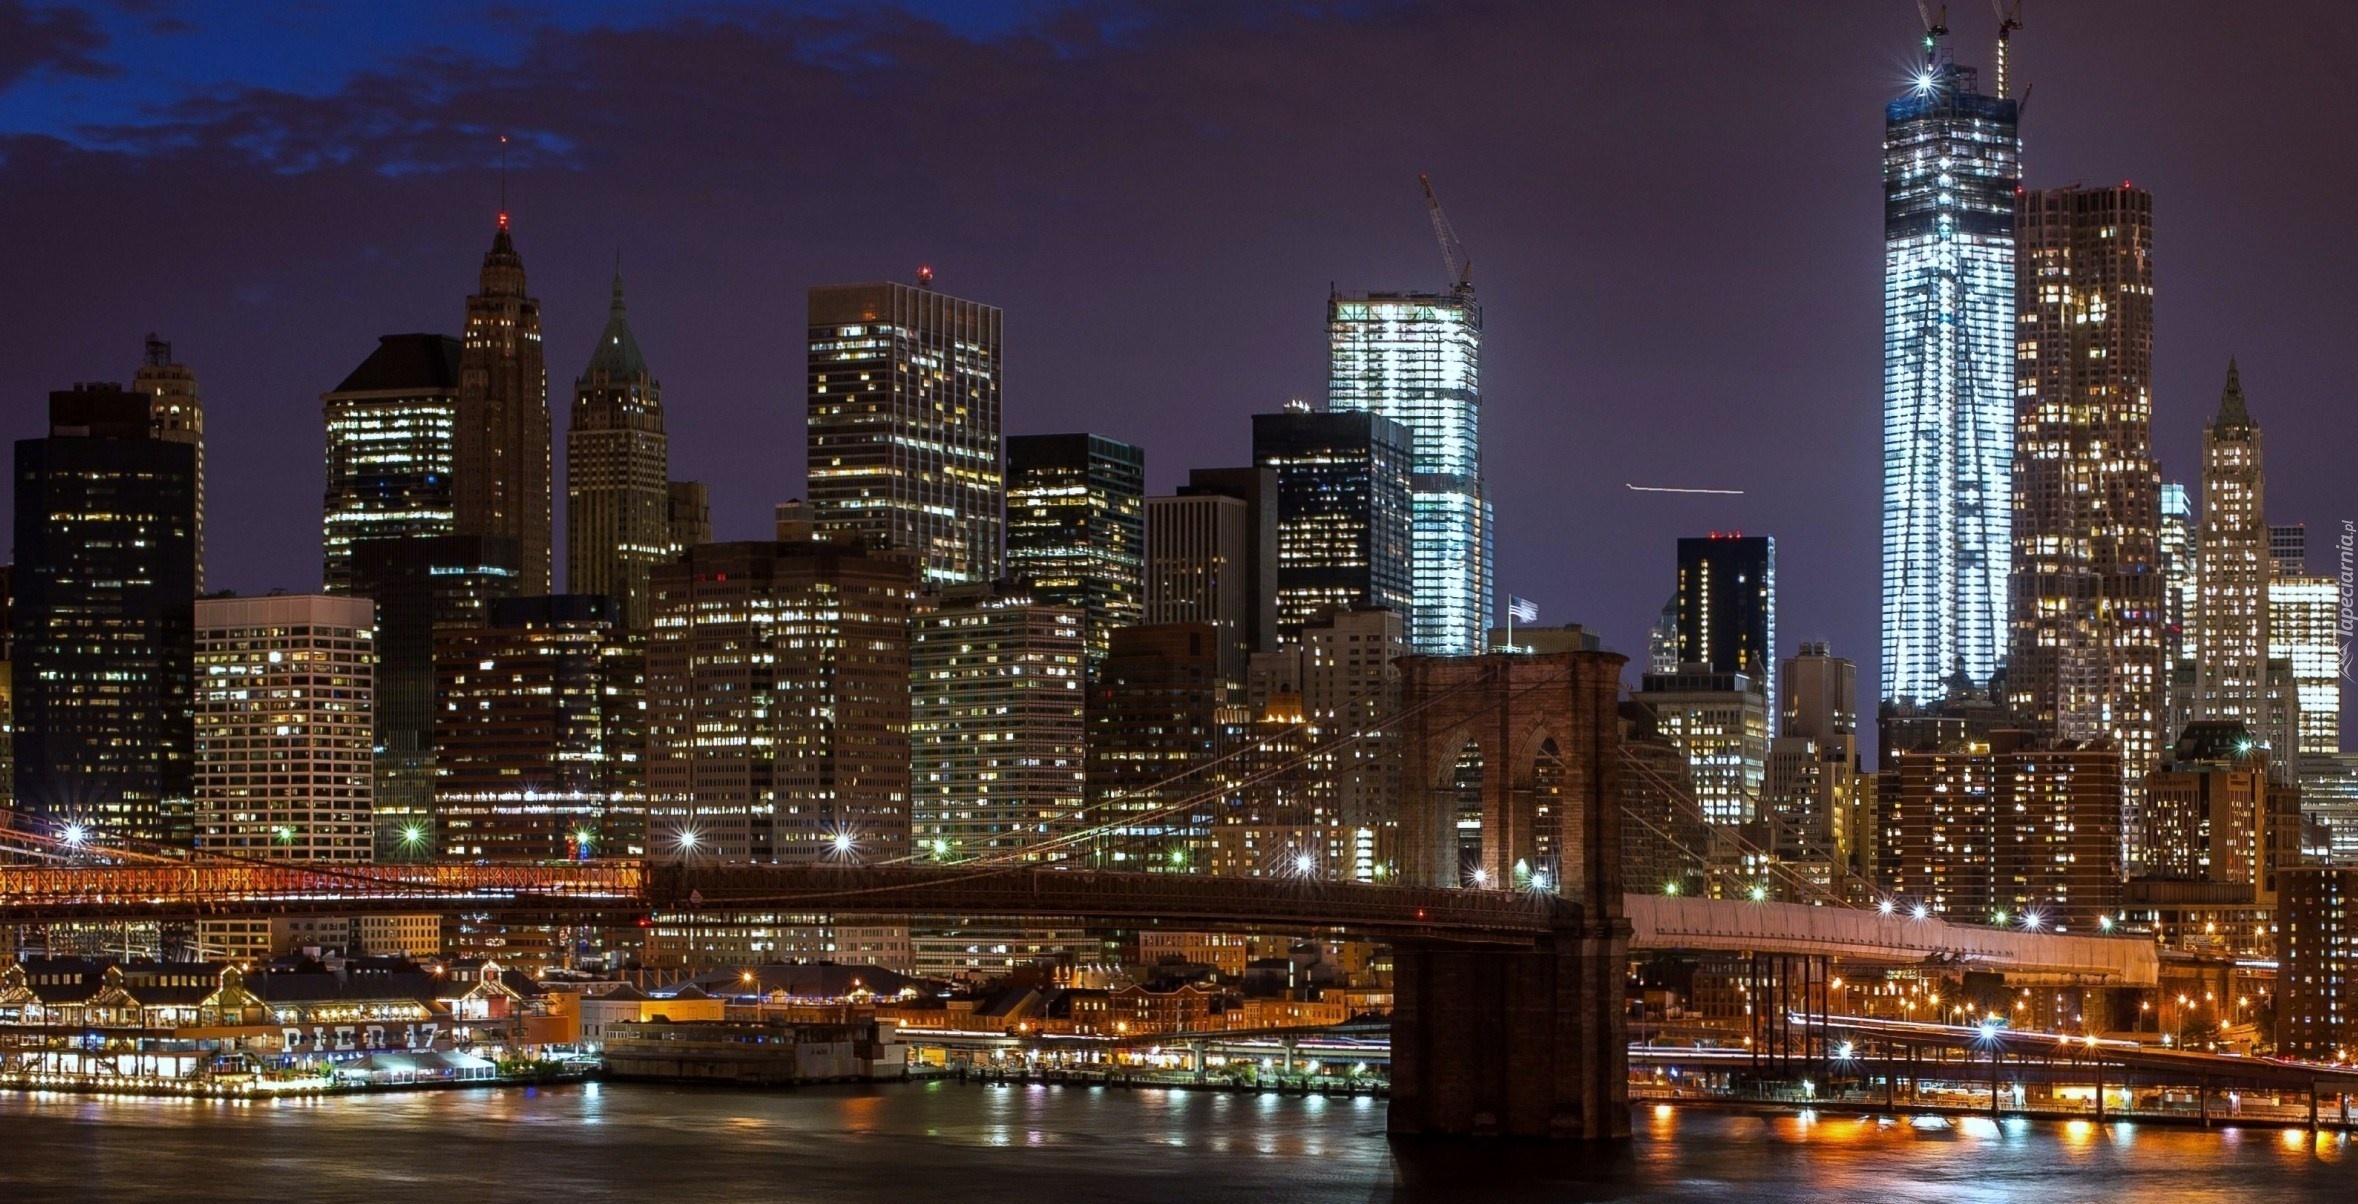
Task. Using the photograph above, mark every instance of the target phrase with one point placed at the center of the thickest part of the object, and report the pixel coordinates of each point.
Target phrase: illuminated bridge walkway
(720, 895)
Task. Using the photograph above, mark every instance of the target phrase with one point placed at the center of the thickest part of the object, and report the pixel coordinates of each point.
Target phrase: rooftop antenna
(1453, 252)
(2009, 20)
(503, 181)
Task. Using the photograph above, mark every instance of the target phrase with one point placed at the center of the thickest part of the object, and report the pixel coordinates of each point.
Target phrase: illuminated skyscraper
(285, 697)
(778, 704)
(501, 461)
(2177, 569)
(177, 411)
(2231, 649)
(1416, 358)
(391, 431)
(1950, 169)
(105, 590)
(996, 729)
(540, 733)
(617, 473)
(1076, 527)
(904, 426)
(1343, 533)
(1727, 607)
(1721, 722)
(2090, 604)
(2304, 612)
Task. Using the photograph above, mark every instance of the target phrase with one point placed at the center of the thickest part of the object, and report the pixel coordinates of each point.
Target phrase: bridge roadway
(622, 891)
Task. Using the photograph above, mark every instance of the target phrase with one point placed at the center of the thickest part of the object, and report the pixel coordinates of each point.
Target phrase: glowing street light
(1883, 907)
(1922, 911)
(76, 833)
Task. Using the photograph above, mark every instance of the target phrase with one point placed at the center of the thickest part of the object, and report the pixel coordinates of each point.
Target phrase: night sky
(1673, 210)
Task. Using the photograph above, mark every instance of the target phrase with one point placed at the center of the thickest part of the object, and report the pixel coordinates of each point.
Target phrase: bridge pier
(1513, 1042)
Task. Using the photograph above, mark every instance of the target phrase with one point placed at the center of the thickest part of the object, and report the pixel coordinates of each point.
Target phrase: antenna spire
(503, 181)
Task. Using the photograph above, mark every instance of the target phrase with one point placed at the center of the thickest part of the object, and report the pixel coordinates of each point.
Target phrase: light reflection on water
(1073, 1144)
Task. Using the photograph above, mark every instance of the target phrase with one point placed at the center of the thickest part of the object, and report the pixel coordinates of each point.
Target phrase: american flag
(1522, 610)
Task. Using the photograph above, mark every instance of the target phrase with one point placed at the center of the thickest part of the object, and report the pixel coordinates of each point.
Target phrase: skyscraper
(778, 703)
(501, 460)
(1416, 358)
(1256, 486)
(1157, 708)
(2090, 609)
(904, 426)
(2231, 649)
(1950, 169)
(285, 727)
(1198, 570)
(1721, 722)
(2304, 614)
(177, 411)
(1076, 527)
(540, 732)
(617, 473)
(105, 592)
(2178, 588)
(1813, 766)
(996, 729)
(423, 585)
(1343, 512)
(391, 449)
(1340, 681)
(2006, 830)
(689, 515)
(1727, 606)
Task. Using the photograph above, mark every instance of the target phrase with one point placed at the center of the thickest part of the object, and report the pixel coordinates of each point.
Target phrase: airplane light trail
(1676, 489)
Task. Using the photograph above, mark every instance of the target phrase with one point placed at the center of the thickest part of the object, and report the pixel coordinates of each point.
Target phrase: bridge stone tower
(1515, 1042)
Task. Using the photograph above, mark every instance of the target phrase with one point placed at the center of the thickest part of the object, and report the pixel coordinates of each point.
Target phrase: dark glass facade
(390, 460)
(540, 733)
(1727, 606)
(1343, 512)
(104, 643)
(421, 586)
(1076, 528)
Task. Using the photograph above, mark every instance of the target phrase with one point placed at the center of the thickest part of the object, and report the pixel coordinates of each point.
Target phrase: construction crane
(2009, 20)
(1453, 252)
(1935, 28)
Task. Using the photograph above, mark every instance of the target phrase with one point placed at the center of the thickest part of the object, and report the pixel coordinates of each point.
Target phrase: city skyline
(1560, 362)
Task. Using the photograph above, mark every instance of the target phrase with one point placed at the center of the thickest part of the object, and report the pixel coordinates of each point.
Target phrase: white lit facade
(286, 751)
(1951, 164)
(1416, 358)
(997, 728)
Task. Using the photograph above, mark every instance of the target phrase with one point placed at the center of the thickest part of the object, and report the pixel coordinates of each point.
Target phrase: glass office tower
(1415, 358)
(1951, 165)
(1076, 527)
(904, 426)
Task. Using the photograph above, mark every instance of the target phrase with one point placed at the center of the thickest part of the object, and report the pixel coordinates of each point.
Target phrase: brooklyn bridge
(1509, 1004)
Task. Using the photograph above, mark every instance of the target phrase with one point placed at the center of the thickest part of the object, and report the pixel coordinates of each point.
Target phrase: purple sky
(1673, 213)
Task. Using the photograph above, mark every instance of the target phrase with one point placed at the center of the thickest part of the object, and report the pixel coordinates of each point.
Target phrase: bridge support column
(1513, 1042)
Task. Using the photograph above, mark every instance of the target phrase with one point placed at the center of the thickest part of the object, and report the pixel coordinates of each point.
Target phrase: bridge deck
(623, 890)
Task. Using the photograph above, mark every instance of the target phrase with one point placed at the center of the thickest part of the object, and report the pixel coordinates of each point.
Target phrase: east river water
(972, 1144)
